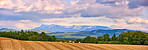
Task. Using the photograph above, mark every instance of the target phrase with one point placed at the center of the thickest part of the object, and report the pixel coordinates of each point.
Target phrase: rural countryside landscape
(73, 24)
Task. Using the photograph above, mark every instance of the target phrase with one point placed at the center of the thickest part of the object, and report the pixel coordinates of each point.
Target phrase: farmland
(13, 44)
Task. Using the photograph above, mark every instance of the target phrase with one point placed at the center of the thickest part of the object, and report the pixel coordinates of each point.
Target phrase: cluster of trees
(29, 35)
(136, 37)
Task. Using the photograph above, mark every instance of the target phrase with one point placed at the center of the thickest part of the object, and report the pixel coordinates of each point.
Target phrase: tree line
(29, 35)
(136, 38)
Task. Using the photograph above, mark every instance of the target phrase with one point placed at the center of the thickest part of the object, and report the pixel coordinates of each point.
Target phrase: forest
(134, 38)
(29, 36)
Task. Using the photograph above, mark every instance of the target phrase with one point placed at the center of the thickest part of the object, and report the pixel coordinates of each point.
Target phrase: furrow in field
(13, 44)
(42, 45)
(90, 47)
(51, 47)
(96, 47)
(27, 46)
(45, 46)
(17, 45)
(35, 45)
(69, 46)
(86, 46)
(126, 47)
(105, 47)
(119, 47)
(6, 45)
(0, 46)
(78, 46)
(55, 46)
(59, 46)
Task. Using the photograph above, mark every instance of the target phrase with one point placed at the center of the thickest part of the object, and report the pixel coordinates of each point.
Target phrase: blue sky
(117, 14)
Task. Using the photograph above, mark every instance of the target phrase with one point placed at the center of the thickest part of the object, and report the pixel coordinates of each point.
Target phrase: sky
(116, 14)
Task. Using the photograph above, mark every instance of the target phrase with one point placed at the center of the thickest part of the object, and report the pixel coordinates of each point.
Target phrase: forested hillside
(83, 34)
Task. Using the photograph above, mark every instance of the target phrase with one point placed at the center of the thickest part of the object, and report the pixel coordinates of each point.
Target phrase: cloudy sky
(117, 14)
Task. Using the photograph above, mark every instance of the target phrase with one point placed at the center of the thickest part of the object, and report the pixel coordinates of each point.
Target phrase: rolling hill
(7, 30)
(39, 30)
(82, 34)
(36, 30)
(75, 34)
(13, 44)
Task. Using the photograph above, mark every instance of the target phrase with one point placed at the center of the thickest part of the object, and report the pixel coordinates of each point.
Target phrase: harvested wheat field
(12, 44)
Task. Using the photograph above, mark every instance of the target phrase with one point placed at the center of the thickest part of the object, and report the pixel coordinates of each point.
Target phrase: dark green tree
(121, 38)
(78, 40)
(43, 34)
(100, 38)
(28, 35)
(114, 38)
(106, 37)
(89, 39)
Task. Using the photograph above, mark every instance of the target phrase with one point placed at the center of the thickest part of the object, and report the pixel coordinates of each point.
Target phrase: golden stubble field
(12, 44)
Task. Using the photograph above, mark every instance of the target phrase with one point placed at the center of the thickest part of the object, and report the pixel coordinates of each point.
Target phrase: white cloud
(22, 24)
(134, 23)
(80, 12)
(117, 11)
(6, 4)
(28, 24)
(119, 20)
(130, 26)
(6, 12)
(102, 21)
(137, 20)
(137, 23)
(41, 6)
(74, 2)
(87, 8)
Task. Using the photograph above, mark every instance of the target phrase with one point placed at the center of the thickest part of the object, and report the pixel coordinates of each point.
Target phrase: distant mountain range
(39, 30)
(58, 28)
(82, 34)
(36, 30)
(7, 30)
(74, 32)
